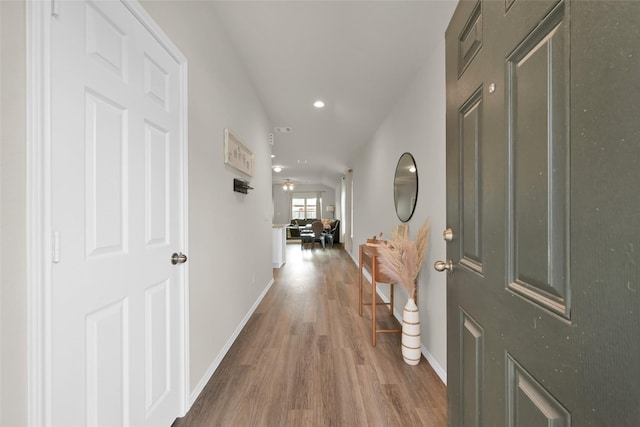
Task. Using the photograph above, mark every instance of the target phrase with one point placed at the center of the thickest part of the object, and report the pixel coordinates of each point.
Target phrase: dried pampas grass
(401, 258)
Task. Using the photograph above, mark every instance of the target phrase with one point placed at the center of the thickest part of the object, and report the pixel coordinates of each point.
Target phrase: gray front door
(543, 168)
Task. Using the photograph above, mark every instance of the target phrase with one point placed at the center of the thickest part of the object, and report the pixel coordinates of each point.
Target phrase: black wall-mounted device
(241, 186)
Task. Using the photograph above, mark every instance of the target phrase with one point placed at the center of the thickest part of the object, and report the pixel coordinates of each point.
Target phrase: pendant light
(288, 186)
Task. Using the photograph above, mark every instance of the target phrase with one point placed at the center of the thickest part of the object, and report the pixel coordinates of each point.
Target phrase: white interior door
(117, 214)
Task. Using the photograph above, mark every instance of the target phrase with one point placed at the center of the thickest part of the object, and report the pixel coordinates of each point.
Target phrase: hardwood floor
(305, 359)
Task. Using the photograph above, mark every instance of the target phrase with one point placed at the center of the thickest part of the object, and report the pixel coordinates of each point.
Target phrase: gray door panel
(543, 165)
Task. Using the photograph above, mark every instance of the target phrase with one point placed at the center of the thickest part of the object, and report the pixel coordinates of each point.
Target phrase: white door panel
(117, 301)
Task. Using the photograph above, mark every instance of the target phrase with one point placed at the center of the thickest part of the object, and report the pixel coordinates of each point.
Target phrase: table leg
(373, 312)
(374, 303)
(360, 283)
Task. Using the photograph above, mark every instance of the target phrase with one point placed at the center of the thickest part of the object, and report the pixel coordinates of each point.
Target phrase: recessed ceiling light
(277, 169)
(318, 104)
(273, 156)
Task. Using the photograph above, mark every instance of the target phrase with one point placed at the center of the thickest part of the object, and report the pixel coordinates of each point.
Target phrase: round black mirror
(405, 187)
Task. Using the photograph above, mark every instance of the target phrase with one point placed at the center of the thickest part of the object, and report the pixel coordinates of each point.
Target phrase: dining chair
(318, 233)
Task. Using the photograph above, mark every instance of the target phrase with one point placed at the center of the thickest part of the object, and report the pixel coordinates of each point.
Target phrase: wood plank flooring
(305, 359)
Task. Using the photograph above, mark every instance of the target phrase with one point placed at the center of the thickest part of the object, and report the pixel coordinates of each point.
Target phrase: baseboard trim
(441, 373)
(216, 362)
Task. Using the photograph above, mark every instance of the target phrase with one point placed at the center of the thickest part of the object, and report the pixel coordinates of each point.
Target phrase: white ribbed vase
(411, 333)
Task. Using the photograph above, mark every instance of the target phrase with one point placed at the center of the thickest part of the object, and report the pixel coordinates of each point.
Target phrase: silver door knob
(448, 234)
(444, 265)
(178, 258)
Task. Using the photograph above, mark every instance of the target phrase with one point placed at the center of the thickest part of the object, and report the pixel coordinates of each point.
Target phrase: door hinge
(55, 7)
(55, 248)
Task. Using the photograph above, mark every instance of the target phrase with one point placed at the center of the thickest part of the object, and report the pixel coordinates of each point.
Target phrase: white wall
(230, 233)
(417, 125)
(13, 233)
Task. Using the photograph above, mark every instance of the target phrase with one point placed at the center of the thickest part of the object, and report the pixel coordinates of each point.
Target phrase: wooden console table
(369, 261)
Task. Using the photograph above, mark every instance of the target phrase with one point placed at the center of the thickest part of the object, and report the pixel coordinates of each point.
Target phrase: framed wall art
(236, 154)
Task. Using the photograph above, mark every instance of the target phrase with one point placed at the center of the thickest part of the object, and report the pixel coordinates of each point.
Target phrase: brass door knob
(444, 265)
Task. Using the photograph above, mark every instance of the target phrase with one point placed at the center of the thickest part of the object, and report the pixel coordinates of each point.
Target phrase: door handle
(444, 265)
(178, 258)
(448, 234)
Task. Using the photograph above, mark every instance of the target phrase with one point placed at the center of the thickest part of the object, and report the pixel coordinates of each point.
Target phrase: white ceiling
(356, 56)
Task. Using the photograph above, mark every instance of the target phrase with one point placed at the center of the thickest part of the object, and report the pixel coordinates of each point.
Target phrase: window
(303, 208)
(305, 205)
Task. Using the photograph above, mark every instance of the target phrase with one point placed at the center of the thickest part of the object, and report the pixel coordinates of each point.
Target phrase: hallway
(305, 358)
